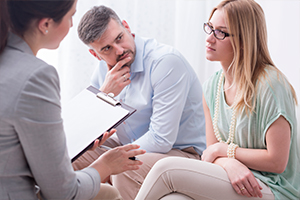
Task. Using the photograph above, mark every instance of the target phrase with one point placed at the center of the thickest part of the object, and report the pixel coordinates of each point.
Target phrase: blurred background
(178, 23)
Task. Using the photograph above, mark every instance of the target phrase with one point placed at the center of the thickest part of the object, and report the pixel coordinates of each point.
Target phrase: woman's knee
(108, 192)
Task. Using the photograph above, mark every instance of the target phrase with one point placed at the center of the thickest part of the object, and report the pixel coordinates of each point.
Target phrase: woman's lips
(209, 48)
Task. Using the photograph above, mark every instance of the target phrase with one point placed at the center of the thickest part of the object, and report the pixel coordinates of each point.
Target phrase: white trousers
(108, 192)
(191, 179)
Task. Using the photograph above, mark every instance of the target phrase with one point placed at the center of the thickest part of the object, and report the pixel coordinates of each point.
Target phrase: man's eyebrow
(104, 47)
(114, 40)
(118, 35)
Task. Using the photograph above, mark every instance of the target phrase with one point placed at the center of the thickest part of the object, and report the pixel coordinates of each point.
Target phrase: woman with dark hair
(3, 25)
(34, 157)
(251, 126)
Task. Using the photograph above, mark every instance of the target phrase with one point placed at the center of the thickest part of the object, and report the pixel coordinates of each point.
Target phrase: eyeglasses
(221, 35)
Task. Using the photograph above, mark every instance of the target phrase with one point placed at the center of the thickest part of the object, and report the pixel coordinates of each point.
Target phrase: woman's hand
(212, 152)
(242, 179)
(117, 160)
(106, 135)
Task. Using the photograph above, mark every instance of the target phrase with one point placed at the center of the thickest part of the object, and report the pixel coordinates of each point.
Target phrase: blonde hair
(245, 20)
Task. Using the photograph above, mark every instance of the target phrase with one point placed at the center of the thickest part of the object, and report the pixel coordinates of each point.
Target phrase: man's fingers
(125, 76)
(120, 64)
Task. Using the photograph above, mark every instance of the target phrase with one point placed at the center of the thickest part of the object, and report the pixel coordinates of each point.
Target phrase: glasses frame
(213, 31)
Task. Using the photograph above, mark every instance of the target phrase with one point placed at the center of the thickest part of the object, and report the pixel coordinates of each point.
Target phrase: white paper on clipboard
(86, 117)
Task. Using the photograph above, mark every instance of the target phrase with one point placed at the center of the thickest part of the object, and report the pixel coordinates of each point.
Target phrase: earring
(46, 31)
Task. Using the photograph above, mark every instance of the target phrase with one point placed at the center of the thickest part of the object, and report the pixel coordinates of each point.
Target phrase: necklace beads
(216, 116)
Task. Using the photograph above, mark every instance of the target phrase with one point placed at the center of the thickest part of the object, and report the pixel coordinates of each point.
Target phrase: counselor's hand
(242, 179)
(98, 142)
(117, 160)
(117, 78)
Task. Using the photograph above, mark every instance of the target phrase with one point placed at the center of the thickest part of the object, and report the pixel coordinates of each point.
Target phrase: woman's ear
(44, 24)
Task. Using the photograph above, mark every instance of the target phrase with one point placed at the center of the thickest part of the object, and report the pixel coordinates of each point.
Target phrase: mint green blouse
(274, 99)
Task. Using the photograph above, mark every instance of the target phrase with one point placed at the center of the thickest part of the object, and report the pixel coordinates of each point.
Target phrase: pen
(108, 148)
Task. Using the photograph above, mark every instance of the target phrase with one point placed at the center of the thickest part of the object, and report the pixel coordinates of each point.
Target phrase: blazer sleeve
(40, 129)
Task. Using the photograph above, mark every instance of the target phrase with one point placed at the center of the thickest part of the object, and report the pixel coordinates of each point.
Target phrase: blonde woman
(250, 118)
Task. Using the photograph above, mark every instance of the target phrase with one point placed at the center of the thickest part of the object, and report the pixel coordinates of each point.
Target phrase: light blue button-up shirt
(168, 97)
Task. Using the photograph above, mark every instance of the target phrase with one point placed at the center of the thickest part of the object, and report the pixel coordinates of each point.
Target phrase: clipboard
(87, 116)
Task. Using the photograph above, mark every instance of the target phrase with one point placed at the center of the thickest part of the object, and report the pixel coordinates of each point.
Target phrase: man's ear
(94, 54)
(124, 23)
(44, 24)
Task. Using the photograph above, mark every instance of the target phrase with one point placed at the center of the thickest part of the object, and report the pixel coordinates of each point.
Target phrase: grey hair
(94, 23)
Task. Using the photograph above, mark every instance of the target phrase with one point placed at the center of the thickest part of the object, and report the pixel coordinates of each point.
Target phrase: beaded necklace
(216, 115)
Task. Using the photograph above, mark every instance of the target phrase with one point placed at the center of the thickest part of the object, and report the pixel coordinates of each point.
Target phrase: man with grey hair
(153, 78)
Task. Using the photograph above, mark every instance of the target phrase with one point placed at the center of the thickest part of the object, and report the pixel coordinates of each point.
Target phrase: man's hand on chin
(117, 77)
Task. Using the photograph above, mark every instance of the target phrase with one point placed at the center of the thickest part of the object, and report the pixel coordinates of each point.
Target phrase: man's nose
(119, 49)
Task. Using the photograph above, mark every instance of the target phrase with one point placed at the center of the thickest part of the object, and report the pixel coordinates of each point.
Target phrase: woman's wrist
(231, 150)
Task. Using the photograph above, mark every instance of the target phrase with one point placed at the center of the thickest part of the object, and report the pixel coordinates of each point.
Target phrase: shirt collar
(137, 65)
